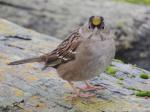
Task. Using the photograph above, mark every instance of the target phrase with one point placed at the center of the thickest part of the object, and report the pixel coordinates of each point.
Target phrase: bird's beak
(95, 30)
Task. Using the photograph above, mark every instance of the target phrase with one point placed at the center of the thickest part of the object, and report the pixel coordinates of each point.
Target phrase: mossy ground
(144, 76)
(143, 93)
(144, 2)
(111, 70)
(140, 93)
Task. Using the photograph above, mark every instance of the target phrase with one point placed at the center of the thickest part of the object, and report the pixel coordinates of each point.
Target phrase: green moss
(111, 71)
(145, 2)
(139, 92)
(121, 78)
(134, 89)
(143, 93)
(144, 76)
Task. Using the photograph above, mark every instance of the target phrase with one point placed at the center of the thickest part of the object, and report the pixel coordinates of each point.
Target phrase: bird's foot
(90, 87)
(77, 93)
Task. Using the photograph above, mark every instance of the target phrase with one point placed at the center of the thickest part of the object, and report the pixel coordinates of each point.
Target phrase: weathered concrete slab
(25, 88)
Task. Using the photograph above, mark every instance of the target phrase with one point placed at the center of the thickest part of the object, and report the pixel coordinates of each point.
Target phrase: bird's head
(94, 26)
(96, 22)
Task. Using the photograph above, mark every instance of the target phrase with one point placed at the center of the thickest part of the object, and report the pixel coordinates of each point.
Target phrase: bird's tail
(29, 60)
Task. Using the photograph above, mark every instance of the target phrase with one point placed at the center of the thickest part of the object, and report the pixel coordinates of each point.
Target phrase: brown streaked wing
(65, 51)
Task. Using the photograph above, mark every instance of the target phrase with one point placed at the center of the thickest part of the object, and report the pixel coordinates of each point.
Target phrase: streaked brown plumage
(62, 54)
(85, 53)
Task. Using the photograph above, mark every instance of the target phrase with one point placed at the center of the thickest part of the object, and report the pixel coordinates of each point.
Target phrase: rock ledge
(27, 88)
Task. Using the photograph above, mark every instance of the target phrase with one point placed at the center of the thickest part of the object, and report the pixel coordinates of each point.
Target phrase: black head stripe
(90, 19)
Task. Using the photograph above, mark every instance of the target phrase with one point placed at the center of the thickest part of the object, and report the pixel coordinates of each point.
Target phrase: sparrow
(84, 54)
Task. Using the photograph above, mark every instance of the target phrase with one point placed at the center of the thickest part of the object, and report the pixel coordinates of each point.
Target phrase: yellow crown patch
(96, 21)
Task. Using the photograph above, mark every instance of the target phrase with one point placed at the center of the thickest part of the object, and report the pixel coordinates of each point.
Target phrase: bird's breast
(91, 59)
(95, 56)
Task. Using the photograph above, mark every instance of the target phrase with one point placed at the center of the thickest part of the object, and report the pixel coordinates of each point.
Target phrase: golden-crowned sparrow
(85, 53)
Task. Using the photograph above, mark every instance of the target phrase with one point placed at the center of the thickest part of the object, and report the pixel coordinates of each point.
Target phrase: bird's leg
(89, 86)
(77, 92)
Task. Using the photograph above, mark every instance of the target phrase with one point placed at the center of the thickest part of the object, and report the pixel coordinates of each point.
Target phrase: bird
(85, 53)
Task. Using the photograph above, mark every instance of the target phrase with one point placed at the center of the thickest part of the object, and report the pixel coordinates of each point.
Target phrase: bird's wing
(65, 52)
